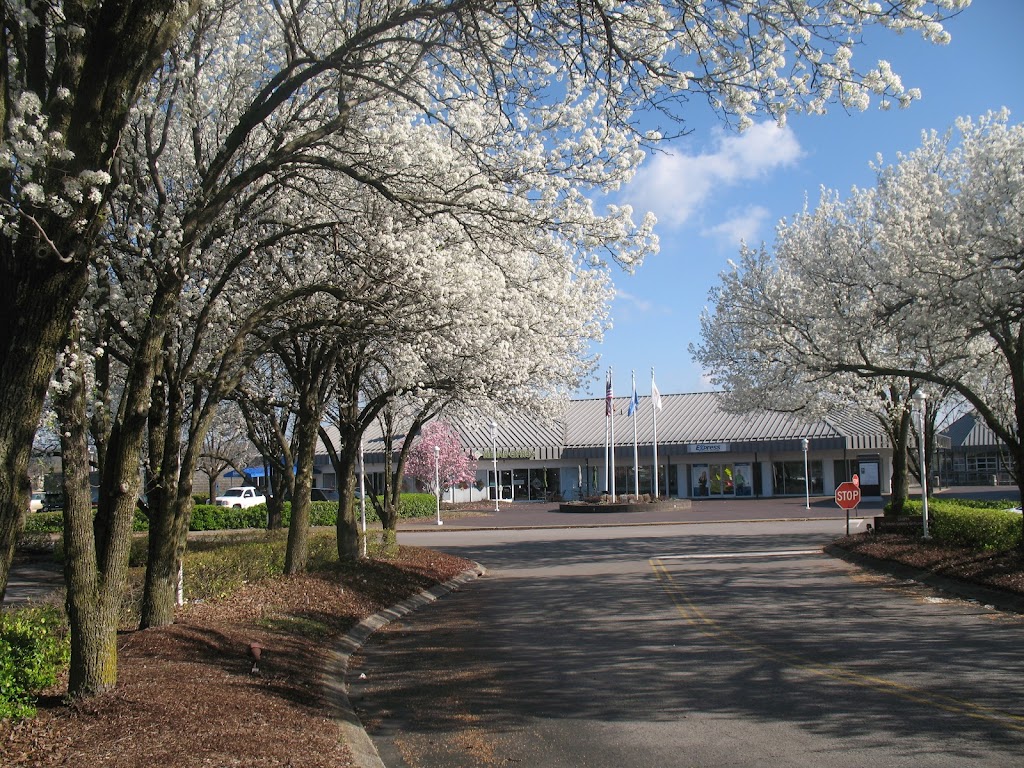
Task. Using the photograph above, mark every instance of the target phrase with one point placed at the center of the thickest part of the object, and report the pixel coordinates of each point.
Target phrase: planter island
(626, 505)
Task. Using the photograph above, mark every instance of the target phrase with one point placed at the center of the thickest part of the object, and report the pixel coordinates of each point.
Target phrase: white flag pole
(607, 424)
(634, 407)
(611, 432)
(655, 405)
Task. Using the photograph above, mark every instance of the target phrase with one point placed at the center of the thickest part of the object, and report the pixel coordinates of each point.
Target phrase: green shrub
(417, 505)
(970, 523)
(209, 517)
(34, 649)
(219, 570)
(323, 513)
(44, 522)
(53, 522)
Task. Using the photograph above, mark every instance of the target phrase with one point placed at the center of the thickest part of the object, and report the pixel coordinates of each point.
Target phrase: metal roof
(683, 420)
(970, 431)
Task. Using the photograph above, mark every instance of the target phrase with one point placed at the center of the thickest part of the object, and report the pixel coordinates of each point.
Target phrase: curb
(989, 597)
(364, 753)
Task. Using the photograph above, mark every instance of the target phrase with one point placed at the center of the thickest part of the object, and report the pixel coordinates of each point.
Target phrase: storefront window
(788, 478)
(699, 472)
(744, 480)
(625, 481)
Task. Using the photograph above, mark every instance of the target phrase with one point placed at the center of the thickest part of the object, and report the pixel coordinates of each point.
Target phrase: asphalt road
(692, 645)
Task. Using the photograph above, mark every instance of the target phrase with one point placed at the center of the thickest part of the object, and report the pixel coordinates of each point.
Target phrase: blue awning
(249, 472)
(254, 472)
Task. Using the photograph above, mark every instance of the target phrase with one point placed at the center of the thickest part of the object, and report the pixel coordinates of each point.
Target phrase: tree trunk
(95, 568)
(166, 549)
(297, 557)
(900, 469)
(43, 269)
(348, 521)
(278, 488)
(171, 519)
(36, 305)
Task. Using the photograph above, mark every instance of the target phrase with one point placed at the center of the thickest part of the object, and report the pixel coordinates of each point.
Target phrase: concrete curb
(989, 597)
(364, 753)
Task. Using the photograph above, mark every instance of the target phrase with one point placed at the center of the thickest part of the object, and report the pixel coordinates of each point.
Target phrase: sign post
(848, 497)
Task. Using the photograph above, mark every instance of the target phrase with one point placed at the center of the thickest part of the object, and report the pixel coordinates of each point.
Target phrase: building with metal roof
(702, 451)
(973, 455)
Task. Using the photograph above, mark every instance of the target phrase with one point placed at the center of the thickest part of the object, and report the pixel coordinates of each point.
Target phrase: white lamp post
(437, 480)
(362, 494)
(920, 410)
(494, 460)
(805, 443)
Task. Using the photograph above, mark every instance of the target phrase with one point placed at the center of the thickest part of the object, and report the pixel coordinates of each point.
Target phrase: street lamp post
(494, 461)
(362, 494)
(920, 410)
(437, 480)
(805, 443)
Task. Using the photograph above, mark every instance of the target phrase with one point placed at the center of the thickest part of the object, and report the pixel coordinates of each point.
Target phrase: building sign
(502, 454)
(709, 448)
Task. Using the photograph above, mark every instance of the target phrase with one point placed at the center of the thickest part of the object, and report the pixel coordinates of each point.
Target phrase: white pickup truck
(242, 496)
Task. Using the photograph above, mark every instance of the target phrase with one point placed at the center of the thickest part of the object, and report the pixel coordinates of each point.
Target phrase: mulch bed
(187, 694)
(999, 570)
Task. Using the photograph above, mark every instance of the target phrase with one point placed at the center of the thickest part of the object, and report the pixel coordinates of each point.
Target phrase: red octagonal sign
(848, 495)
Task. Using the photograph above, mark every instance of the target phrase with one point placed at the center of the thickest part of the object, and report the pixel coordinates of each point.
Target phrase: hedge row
(207, 517)
(966, 523)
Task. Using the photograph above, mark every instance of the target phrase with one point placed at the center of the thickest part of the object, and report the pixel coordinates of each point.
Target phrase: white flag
(655, 394)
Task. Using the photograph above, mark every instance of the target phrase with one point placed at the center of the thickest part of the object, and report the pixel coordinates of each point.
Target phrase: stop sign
(848, 495)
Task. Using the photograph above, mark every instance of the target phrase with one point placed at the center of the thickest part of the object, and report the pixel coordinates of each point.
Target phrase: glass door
(721, 480)
(504, 484)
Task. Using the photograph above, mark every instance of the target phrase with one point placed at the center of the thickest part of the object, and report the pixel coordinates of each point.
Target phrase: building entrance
(714, 480)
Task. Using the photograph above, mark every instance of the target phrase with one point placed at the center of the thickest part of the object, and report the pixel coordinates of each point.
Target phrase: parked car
(242, 496)
(323, 494)
(37, 502)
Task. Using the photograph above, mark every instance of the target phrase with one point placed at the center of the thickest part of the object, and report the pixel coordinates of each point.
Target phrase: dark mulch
(998, 570)
(187, 696)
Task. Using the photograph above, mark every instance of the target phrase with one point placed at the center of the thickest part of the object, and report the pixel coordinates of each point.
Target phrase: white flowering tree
(530, 91)
(918, 279)
(475, 123)
(771, 347)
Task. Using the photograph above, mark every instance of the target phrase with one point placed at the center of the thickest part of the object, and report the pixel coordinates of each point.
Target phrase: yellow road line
(713, 630)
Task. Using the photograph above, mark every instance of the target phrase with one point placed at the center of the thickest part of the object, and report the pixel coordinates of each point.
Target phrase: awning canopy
(254, 472)
(249, 472)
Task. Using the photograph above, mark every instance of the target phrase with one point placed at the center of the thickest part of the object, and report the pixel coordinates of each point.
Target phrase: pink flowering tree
(454, 465)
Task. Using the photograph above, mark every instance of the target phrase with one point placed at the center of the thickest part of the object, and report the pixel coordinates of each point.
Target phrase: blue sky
(715, 187)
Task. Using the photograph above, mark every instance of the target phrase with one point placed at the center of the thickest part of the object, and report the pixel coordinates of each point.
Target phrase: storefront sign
(709, 448)
(502, 454)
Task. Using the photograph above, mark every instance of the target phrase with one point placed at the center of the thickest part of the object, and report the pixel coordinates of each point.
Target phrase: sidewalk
(33, 580)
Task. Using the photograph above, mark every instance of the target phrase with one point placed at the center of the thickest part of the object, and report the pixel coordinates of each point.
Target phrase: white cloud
(642, 305)
(675, 186)
(742, 228)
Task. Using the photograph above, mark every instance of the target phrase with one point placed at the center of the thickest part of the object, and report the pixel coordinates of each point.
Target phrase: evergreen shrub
(34, 650)
(417, 505)
(209, 517)
(969, 523)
